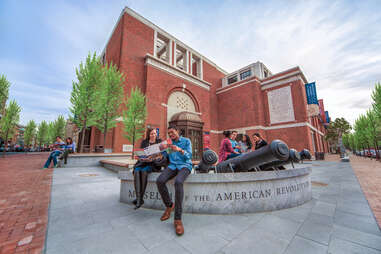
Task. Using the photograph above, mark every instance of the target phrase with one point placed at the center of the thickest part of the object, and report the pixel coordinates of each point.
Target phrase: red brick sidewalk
(24, 202)
(369, 175)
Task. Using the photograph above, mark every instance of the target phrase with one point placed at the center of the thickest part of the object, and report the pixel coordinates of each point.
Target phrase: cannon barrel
(209, 158)
(294, 157)
(276, 150)
(305, 154)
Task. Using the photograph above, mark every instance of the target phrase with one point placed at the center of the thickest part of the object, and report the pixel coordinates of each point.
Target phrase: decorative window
(232, 79)
(245, 74)
(181, 58)
(162, 47)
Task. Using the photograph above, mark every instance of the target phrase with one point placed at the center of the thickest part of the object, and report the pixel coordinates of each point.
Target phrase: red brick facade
(242, 105)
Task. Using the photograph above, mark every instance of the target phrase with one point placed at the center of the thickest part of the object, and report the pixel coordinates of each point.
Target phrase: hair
(227, 133)
(148, 132)
(248, 141)
(257, 134)
(173, 127)
(235, 132)
(58, 137)
(71, 140)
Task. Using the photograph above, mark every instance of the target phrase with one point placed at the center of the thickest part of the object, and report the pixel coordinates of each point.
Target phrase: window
(232, 79)
(181, 58)
(196, 66)
(245, 74)
(162, 47)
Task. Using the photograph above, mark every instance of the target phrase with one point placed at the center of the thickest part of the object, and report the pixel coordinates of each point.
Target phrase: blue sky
(336, 43)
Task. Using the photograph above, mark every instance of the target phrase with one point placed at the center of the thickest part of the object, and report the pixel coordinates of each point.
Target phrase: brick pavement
(368, 172)
(24, 202)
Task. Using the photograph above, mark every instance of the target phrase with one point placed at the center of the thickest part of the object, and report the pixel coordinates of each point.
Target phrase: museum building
(186, 88)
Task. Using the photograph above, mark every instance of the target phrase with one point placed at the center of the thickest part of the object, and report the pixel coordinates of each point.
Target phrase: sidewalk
(368, 171)
(24, 202)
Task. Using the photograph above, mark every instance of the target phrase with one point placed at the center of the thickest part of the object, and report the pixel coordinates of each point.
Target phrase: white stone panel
(179, 102)
(280, 105)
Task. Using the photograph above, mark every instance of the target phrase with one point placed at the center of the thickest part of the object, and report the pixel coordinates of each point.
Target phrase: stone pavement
(85, 216)
(24, 202)
(368, 172)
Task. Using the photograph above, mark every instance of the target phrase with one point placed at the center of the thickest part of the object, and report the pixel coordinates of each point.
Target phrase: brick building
(185, 87)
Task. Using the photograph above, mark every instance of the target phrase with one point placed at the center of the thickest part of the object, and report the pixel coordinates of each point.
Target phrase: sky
(335, 43)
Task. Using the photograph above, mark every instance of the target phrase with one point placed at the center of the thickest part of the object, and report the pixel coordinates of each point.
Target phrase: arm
(186, 152)
(229, 148)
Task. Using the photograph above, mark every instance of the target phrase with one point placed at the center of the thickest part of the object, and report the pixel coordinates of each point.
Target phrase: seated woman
(69, 148)
(226, 150)
(143, 167)
(259, 141)
(245, 144)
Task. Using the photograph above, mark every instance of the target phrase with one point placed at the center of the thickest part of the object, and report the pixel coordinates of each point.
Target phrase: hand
(176, 148)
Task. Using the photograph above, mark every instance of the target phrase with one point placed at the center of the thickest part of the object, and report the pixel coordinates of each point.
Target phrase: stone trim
(293, 76)
(227, 88)
(164, 66)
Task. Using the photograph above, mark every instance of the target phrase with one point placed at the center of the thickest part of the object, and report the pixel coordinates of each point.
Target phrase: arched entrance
(190, 126)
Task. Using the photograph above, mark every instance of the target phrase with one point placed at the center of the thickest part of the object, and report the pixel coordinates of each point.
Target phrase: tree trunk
(5, 143)
(83, 136)
(104, 136)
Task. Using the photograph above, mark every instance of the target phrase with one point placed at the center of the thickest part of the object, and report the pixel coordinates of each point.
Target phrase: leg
(179, 191)
(164, 177)
(55, 155)
(47, 163)
(65, 154)
(137, 188)
(179, 196)
(143, 181)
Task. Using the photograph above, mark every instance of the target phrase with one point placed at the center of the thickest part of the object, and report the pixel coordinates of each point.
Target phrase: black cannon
(278, 164)
(305, 154)
(209, 158)
(276, 150)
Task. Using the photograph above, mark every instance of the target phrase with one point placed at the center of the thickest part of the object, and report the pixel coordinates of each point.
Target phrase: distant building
(186, 88)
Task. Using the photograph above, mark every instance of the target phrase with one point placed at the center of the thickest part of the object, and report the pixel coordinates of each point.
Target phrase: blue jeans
(53, 155)
(232, 155)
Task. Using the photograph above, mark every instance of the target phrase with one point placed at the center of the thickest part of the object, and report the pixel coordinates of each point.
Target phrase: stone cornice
(164, 66)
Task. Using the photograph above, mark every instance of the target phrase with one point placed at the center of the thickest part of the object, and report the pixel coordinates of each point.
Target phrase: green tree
(134, 117)
(360, 127)
(30, 132)
(4, 92)
(336, 130)
(371, 130)
(42, 133)
(9, 121)
(51, 133)
(59, 127)
(109, 96)
(89, 75)
(376, 97)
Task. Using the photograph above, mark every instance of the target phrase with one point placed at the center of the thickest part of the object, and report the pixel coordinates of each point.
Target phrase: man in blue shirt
(180, 166)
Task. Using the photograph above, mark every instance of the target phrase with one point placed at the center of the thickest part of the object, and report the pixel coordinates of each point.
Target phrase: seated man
(58, 148)
(180, 166)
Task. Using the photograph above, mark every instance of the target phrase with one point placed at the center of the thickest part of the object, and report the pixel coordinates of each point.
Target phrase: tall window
(162, 47)
(232, 79)
(181, 58)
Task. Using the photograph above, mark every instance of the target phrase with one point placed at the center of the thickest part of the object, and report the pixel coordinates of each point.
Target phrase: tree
(134, 117)
(360, 130)
(4, 92)
(109, 96)
(336, 130)
(42, 133)
(82, 99)
(9, 121)
(371, 130)
(59, 127)
(51, 133)
(376, 97)
(30, 132)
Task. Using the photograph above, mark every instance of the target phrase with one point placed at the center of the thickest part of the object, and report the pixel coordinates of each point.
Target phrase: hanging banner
(311, 93)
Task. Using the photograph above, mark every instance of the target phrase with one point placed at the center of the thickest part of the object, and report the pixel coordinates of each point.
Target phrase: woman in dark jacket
(259, 141)
(143, 167)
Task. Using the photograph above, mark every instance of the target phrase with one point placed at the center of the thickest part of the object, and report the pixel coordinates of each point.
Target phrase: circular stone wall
(229, 193)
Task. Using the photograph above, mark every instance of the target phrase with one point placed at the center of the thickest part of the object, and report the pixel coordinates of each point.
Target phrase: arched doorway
(190, 126)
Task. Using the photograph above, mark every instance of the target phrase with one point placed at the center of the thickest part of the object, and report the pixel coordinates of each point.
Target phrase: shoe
(43, 168)
(179, 228)
(167, 212)
(134, 201)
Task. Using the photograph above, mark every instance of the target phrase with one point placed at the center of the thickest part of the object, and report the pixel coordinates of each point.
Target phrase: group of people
(60, 149)
(230, 148)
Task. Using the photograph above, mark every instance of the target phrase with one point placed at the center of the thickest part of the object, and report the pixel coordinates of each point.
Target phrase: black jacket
(260, 144)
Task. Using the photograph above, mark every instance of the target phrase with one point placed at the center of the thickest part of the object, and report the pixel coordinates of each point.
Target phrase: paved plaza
(85, 215)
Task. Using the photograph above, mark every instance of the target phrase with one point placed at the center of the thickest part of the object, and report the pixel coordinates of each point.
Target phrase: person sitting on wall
(144, 166)
(234, 142)
(259, 141)
(58, 148)
(180, 166)
(245, 144)
(226, 150)
(69, 148)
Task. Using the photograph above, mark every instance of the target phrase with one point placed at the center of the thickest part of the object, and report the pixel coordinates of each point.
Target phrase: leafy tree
(134, 117)
(51, 133)
(89, 75)
(109, 96)
(371, 130)
(376, 97)
(42, 133)
(30, 132)
(59, 127)
(360, 130)
(4, 92)
(9, 121)
(336, 130)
